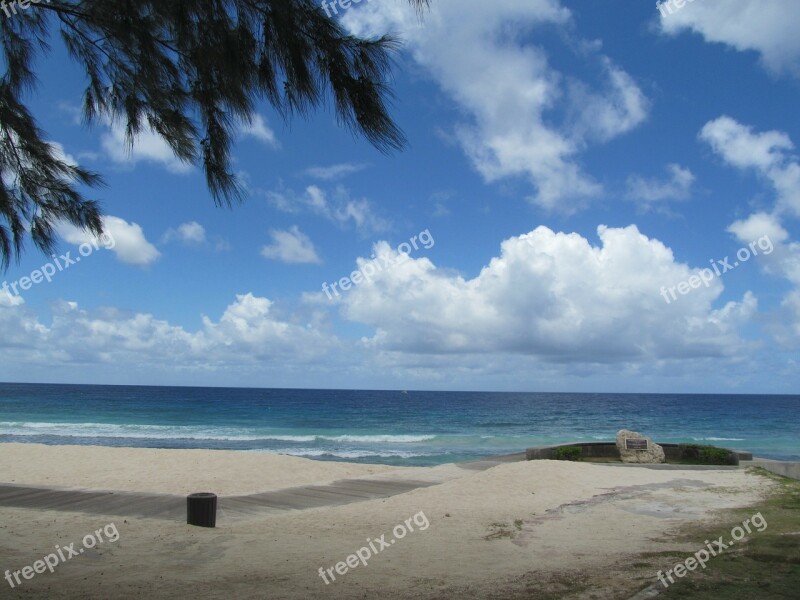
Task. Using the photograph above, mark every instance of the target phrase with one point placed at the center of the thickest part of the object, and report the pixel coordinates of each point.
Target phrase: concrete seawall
(779, 467)
(609, 450)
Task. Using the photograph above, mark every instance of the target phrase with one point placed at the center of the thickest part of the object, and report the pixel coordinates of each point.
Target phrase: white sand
(167, 471)
(531, 525)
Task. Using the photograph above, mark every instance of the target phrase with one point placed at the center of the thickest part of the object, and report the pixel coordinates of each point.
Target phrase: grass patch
(765, 566)
(568, 453)
(501, 530)
(689, 454)
(697, 454)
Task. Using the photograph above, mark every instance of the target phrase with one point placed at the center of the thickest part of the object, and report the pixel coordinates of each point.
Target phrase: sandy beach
(491, 533)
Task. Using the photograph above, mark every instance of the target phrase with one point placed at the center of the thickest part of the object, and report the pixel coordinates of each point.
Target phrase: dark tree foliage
(187, 69)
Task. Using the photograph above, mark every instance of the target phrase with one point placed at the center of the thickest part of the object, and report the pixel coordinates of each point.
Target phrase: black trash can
(201, 509)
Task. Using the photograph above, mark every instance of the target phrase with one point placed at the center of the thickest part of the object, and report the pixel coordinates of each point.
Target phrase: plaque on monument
(635, 444)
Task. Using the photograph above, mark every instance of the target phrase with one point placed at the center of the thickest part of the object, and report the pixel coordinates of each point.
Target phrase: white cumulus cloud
(129, 242)
(337, 206)
(650, 192)
(768, 27)
(258, 129)
(148, 146)
(769, 153)
(186, 233)
(482, 57)
(334, 172)
(554, 296)
(290, 246)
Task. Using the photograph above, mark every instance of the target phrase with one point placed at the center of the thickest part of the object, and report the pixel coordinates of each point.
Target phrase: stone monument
(636, 448)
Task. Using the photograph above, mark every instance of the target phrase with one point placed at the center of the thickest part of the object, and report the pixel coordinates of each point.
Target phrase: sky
(595, 197)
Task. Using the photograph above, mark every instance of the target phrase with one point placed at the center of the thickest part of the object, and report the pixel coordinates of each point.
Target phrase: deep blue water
(417, 428)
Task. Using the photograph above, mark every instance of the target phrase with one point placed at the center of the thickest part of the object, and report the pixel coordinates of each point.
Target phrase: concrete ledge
(590, 450)
(609, 450)
(669, 466)
(779, 467)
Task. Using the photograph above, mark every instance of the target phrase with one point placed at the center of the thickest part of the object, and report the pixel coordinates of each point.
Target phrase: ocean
(391, 427)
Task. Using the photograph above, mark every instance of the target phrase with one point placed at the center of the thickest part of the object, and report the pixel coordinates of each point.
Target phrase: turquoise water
(417, 428)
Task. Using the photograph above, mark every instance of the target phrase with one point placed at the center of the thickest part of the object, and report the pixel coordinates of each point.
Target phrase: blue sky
(567, 164)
